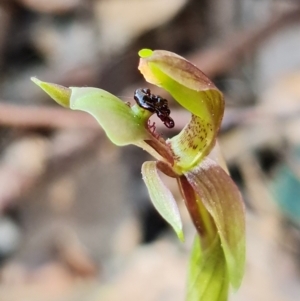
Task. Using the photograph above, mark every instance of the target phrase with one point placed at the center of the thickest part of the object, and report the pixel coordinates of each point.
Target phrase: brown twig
(20, 174)
(43, 117)
(32, 117)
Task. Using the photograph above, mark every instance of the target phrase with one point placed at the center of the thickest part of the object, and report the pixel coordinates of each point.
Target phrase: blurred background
(76, 222)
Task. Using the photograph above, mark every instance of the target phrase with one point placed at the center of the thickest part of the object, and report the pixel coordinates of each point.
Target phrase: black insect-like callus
(155, 104)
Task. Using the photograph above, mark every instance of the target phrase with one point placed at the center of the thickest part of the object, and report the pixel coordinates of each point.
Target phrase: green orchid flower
(211, 197)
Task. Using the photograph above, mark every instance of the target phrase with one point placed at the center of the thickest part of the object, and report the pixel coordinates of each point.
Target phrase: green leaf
(207, 276)
(192, 89)
(223, 201)
(162, 197)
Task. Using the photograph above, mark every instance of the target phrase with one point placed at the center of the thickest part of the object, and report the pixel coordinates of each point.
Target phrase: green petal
(207, 276)
(180, 77)
(223, 201)
(58, 93)
(162, 197)
(121, 124)
(191, 88)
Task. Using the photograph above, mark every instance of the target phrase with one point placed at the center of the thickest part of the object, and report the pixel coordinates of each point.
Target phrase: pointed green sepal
(122, 124)
(58, 93)
(192, 89)
(162, 197)
(207, 276)
(223, 201)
